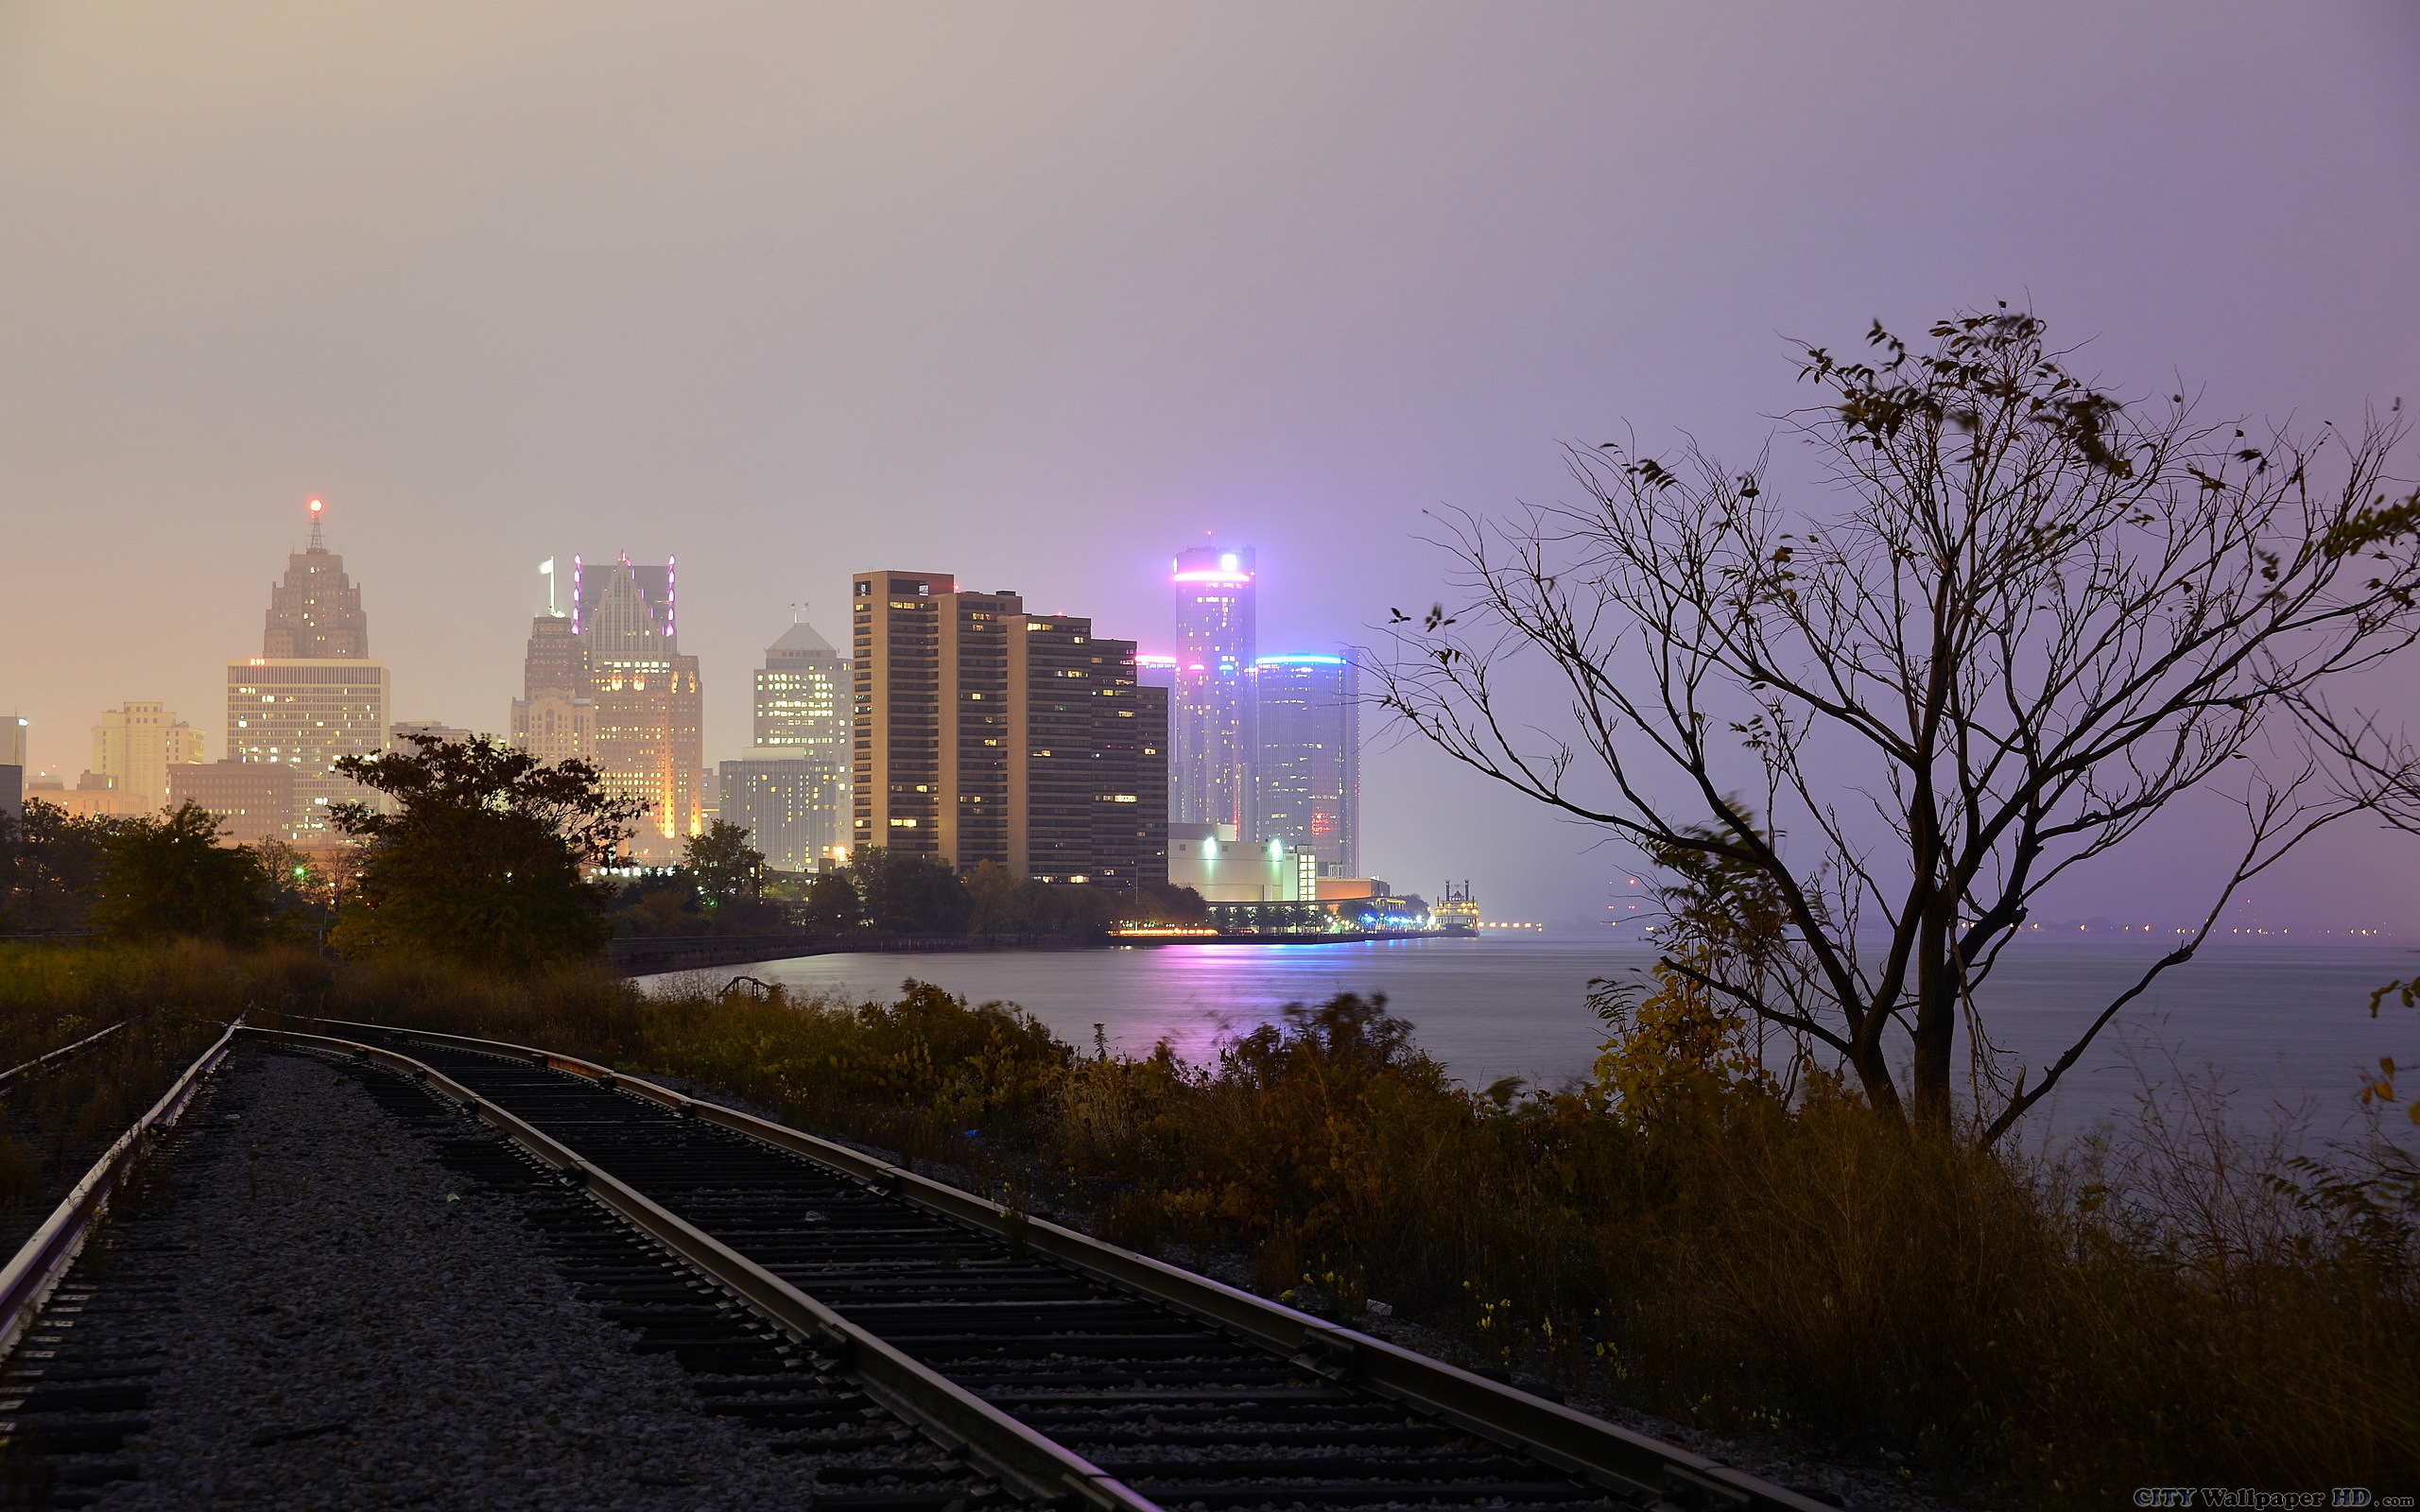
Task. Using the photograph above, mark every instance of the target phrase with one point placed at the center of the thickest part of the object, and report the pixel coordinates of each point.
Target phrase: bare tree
(2022, 619)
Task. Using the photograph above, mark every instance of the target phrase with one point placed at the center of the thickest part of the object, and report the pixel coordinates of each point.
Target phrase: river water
(2283, 1023)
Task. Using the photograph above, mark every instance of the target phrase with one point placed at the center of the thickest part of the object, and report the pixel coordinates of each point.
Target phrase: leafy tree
(999, 902)
(2026, 619)
(657, 905)
(166, 875)
(832, 903)
(1356, 913)
(909, 894)
(1159, 903)
(724, 865)
(50, 861)
(482, 859)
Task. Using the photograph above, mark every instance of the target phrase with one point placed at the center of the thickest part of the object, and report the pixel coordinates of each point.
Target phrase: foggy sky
(1037, 293)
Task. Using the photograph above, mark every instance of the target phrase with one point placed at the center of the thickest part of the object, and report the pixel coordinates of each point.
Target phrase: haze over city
(1038, 295)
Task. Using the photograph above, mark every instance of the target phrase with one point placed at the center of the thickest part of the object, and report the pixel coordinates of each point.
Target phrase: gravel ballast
(358, 1326)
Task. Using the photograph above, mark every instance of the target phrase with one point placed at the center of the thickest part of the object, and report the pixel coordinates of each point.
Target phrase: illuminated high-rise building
(604, 680)
(313, 695)
(982, 733)
(1210, 712)
(1308, 764)
(133, 748)
(802, 694)
(791, 792)
(554, 719)
(795, 808)
(649, 698)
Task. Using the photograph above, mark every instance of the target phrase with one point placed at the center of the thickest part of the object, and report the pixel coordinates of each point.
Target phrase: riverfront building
(982, 733)
(1209, 859)
(1308, 760)
(313, 695)
(1210, 717)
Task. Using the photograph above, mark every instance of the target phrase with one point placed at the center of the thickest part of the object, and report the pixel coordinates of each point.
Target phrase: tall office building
(802, 694)
(134, 746)
(791, 792)
(312, 695)
(1210, 711)
(794, 808)
(554, 719)
(1308, 763)
(982, 734)
(607, 683)
(315, 612)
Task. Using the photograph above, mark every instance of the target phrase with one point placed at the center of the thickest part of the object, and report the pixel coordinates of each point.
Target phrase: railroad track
(820, 1291)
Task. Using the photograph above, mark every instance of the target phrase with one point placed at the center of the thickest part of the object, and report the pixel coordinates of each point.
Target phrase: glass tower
(1210, 710)
(1309, 717)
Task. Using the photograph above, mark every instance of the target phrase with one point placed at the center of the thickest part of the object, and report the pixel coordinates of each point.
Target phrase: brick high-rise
(982, 733)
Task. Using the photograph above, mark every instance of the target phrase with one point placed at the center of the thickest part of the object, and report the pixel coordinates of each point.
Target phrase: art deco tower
(312, 695)
(315, 612)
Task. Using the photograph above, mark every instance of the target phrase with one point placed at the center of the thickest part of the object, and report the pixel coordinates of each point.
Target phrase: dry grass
(2031, 1333)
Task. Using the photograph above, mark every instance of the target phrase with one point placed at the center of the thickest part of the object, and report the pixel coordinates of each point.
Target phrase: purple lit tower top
(1210, 714)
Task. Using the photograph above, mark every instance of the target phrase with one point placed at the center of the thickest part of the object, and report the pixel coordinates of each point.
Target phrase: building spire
(317, 544)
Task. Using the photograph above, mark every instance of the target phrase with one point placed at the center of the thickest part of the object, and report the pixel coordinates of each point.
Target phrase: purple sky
(1037, 293)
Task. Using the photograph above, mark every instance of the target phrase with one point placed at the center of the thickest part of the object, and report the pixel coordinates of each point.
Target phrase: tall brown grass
(2167, 1308)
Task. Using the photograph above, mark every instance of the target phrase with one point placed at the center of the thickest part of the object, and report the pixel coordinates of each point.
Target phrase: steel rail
(43, 1259)
(54, 1057)
(1605, 1454)
(964, 1422)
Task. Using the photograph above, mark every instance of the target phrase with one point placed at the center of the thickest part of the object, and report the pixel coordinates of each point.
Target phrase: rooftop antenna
(316, 545)
(546, 571)
(798, 612)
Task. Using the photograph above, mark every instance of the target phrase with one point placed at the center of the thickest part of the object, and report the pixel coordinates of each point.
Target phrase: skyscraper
(794, 808)
(803, 691)
(1308, 763)
(133, 746)
(982, 734)
(315, 612)
(554, 719)
(312, 695)
(791, 792)
(1211, 708)
(649, 698)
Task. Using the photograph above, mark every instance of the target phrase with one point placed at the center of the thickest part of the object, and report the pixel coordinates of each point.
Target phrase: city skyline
(789, 331)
